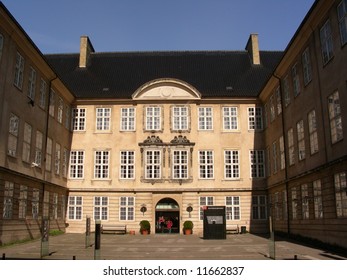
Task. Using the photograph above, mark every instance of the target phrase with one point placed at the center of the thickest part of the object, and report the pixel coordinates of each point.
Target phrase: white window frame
(26, 152)
(341, 194)
(204, 201)
(180, 164)
(230, 118)
(305, 207)
(127, 165)
(22, 202)
(257, 163)
(291, 148)
(318, 199)
(57, 159)
(255, 118)
(43, 94)
(180, 118)
(60, 110)
(301, 140)
(12, 143)
(233, 208)
(100, 208)
(205, 118)
(153, 118)
(32, 84)
(8, 200)
(312, 129)
(153, 164)
(103, 119)
(231, 164)
(206, 164)
(76, 164)
(79, 120)
(38, 148)
(101, 164)
(19, 71)
(127, 119)
(75, 207)
(127, 208)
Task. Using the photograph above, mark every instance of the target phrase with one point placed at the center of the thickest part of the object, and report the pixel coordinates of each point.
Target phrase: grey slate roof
(122, 73)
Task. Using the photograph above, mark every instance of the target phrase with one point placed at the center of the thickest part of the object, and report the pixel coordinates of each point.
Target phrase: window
(306, 65)
(180, 118)
(257, 163)
(278, 100)
(341, 194)
(60, 110)
(38, 148)
(294, 204)
(23, 200)
(19, 71)
(127, 119)
(301, 140)
(206, 164)
(79, 119)
(282, 154)
(312, 128)
(232, 208)
(49, 150)
(259, 207)
(230, 118)
(76, 164)
(43, 94)
(205, 118)
(57, 159)
(204, 201)
(291, 149)
(101, 208)
(153, 118)
(326, 39)
(52, 103)
(153, 164)
(305, 202)
(8, 200)
(284, 205)
(274, 157)
(13, 135)
(27, 142)
(296, 80)
(231, 164)
(272, 108)
(336, 131)
(317, 199)
(286, 92)
(75, 208)
(127, 208)
(55, 206)
(103, 118)
(127, 165)
(255, 118)
(101, 164)
(180, 164)
(342, 17)
(65, 162)
(35, 203)
(32, 84)
(46, 205)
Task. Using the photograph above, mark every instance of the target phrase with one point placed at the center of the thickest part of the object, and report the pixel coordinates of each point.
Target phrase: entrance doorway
(167, 209)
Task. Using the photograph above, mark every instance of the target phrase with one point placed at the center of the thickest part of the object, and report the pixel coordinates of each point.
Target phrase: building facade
(145, 135)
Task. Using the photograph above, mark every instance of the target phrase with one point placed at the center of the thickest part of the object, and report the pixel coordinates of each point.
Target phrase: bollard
(295, 257)
(3, 256)
(97, 244)
(74, 258)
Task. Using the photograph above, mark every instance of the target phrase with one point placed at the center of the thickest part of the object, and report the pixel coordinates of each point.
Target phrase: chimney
(86, 48)
(253, 49)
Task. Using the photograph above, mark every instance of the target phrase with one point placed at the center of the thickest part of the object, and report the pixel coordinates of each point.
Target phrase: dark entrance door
(166, 211)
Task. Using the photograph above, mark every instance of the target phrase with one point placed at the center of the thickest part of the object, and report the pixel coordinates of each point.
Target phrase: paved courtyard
(165, 247)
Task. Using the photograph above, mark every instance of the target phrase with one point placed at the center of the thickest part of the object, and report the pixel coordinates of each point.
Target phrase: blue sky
(153, 25)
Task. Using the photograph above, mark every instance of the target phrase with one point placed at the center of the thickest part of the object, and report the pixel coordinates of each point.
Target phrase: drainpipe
(285, 150)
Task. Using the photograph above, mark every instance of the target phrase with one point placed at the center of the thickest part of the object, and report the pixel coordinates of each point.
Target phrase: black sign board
(214, 222)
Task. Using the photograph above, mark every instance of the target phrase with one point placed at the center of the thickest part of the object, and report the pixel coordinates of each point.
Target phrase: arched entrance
(167, 209)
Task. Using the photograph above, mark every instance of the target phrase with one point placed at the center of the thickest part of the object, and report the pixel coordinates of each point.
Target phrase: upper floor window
(32, 83)
(76, 164)
(101, 164)
(231, 164)
(153, 118)
(43, 94)
(127, 164)
(291, 148)
(286, 92)
(278, 100)
(60, 110)
(103, 118)
(128, 119)
(180, 164)
(153, 164)
(342, 17)
(312, 129)
(1, 44)
(336, 130)
(52, 103)
(180, 118)
(306, 65)
(230, 118)
(326, 39)
(301, 140)
(57, 159)
(38, 148)
(19, 71)
(257, 163)
(205, 118)
(296, 80)
(13, 135)
(255, 118)
(79, 119)
(27, 142)
(206, 164)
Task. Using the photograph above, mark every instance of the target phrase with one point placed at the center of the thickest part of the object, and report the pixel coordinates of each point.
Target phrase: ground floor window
(341, 194)
(259, 207)
(75, 208)
(232, 208)
(127, 208)
(317, 199)
(204, 201)
(23, 196)
(8, 200)
(100, 208)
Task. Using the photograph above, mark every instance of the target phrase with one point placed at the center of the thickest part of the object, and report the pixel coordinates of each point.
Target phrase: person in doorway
(169, 225)
(161, 223)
